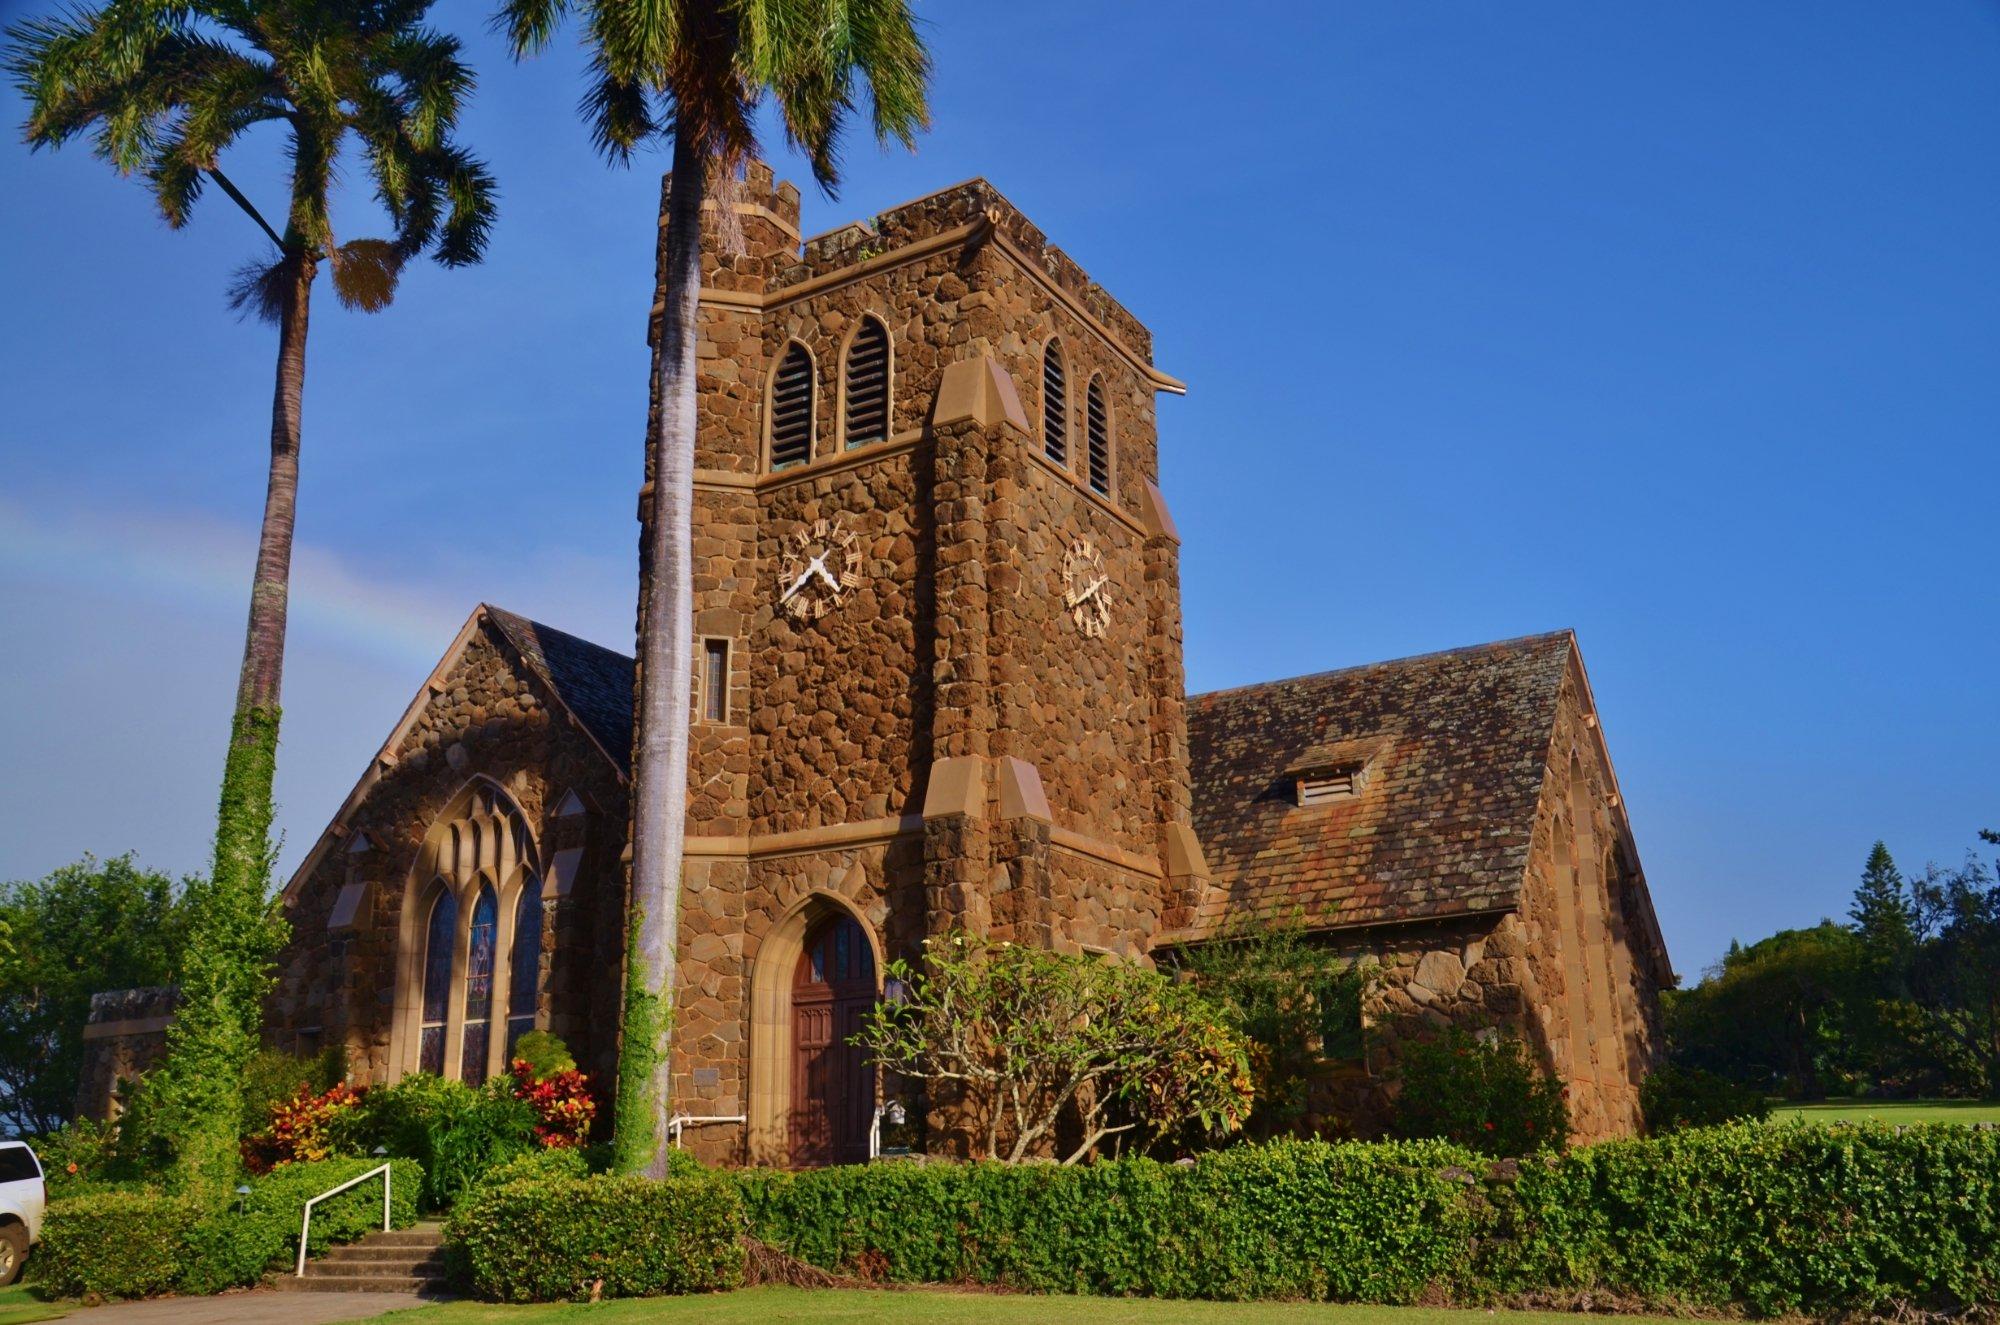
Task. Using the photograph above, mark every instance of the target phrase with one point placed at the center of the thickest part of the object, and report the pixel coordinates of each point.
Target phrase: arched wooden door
(833, 1084)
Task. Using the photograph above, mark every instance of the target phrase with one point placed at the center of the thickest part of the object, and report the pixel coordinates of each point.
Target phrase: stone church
(939, 684)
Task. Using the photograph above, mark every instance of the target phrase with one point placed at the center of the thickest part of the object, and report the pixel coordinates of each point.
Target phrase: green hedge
(1772, 1220)
(138, 1243)
(1376, 1223)
(552, 1238)
(1777, 1220)
(113, 1244)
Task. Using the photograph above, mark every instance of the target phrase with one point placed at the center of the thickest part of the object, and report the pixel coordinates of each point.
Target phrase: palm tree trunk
(225, 968)
(666, 656)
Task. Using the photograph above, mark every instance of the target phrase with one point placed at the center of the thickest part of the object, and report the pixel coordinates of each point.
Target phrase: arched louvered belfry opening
(791, 409)
(865, 383)
(1055, 404)
(1097, 438)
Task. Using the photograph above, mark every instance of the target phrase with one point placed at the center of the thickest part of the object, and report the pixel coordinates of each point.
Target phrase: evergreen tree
(1883, 919)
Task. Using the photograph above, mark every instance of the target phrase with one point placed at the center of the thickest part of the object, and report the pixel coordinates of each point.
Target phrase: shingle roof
(1454, 746)
(594, 682)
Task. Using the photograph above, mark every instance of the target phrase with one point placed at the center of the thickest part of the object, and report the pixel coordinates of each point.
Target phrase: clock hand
(797, 584)
(1095, 586)
(826, 575)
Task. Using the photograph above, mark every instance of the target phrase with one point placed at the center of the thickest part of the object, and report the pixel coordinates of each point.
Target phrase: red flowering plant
(547, 1078)
(301, 1128)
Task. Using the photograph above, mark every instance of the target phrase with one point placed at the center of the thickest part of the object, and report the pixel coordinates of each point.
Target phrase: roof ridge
(1541, 637)
(506, 618)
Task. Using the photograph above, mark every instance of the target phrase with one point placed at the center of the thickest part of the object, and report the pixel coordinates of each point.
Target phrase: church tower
(937, 616)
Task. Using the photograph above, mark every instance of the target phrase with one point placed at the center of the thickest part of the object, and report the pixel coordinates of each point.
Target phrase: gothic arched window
(866, 385)
(525, 964)
(479, 953)
(1097, 436)
(792, 409)
(1055, 405)
(439, 936)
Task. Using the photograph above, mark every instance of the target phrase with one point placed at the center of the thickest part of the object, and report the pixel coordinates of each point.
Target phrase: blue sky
(1675, 324)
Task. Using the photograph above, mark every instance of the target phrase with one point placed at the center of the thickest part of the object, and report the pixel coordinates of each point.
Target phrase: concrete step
(416, 1236)
(417, 1266)
(363, 1251)
(361, 1283)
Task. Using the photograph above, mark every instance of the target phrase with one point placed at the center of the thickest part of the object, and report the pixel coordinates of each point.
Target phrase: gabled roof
(594, 683)
(590, 684)
(1450, 750)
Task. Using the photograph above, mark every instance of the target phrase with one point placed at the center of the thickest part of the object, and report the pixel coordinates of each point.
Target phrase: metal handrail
(680, 1122)
(305, 1226)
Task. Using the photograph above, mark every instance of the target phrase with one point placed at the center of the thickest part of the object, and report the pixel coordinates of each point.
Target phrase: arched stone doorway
(811, 1094)
(833, 1088)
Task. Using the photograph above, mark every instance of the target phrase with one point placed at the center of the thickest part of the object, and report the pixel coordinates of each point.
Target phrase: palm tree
(697, 71)
(165, 87)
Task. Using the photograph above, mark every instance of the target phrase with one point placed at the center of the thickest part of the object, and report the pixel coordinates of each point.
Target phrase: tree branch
(236, 195)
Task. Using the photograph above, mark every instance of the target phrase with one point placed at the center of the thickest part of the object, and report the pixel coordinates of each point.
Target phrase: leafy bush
(274, 1077)
(302, 1128)
(1293, 1219)
(544, 1053)
(1678, 1097)
(79, 1157)
(1489, 1097)
(456, 1132)
(1780, 1220)
(547, 1239)
(1033, 1039)
(237, 1245)
(562, 1103)
(113, 1244)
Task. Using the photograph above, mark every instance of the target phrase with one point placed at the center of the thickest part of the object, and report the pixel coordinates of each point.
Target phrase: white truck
(23, 1198)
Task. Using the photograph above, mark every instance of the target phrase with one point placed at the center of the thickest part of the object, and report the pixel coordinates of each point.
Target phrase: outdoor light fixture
(895, 991)
(242, 1195)
(381, 1151)
(891, 1111)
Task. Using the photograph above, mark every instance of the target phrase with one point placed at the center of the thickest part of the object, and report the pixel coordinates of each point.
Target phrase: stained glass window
(525, 966)
(443, 929)
(479, 985)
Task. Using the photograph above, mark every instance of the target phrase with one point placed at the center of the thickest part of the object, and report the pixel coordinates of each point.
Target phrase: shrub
(238, 1244)
(561, 1101)
(1490, 1097)
(547, 1239)
(1677, 1097)
(1780, 1220)
(1033, 1039)
(1348, 1222)
(456, 1132)
(114, 1244)
(544, 1053)
(302, 1128)
(274, 1077)
(79, 1157)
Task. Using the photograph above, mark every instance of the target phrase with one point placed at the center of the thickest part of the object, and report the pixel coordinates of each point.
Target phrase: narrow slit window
(1097, 428)
(1055, 405)
(792, 409)
(868, 385)
(715, 680)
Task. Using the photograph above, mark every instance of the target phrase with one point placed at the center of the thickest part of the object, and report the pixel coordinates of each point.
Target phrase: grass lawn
(840, 1306)
(1890, 1111)
(18, 1306)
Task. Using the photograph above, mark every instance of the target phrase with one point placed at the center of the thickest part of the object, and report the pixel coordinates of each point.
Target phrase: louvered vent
(1097, 427)
(1055, 406)
(792, 410)
(1331, 784)
(868, 385)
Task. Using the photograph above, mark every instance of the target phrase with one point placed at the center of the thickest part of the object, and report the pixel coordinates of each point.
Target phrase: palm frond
(259, 289)
(528, 25)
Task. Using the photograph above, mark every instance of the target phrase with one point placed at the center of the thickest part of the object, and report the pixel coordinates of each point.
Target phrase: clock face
(817, 567)
(1086, 587)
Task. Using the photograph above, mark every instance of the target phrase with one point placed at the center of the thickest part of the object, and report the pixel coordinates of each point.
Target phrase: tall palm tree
(164, 87)
(696, 71)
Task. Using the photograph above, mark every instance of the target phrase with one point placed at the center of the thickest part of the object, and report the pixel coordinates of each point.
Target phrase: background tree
(1956, 972)
(165, 88)
(697, 71)
(1773, 1014)
(1883, 920)
(87, 927)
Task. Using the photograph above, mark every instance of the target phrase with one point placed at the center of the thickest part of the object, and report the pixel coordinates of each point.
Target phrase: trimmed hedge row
(1375, 1223)
(1770, 1219)
(551, 1236)
(141, 1243)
